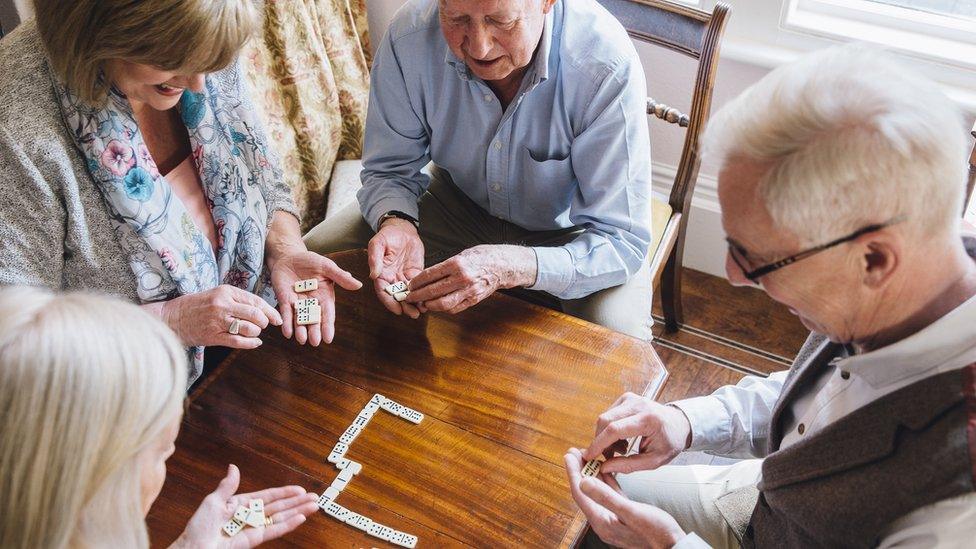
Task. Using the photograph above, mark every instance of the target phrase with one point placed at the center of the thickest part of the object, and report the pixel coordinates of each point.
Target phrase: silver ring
(235, 327)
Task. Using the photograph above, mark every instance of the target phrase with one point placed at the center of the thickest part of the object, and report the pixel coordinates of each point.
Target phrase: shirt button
(801, 428)
(488, 97)
(498, 144)
(845, 374)
(496, 187)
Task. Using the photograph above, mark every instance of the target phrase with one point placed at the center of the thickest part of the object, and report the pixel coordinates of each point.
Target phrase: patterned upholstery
(309, 78)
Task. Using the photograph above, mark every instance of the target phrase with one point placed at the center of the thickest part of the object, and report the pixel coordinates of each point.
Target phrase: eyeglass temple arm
(805, 254)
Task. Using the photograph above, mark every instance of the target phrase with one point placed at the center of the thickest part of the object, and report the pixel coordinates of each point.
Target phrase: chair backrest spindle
(696, 34)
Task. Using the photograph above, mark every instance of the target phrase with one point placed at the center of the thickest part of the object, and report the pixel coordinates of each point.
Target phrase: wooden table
(506, 388)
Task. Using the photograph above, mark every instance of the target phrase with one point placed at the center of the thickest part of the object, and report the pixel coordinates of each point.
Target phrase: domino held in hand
(307, 285)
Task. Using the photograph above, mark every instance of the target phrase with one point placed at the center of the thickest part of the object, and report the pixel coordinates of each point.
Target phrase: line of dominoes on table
(348, 469)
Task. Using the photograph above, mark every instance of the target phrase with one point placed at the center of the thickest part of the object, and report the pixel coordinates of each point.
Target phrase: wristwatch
(399, 215)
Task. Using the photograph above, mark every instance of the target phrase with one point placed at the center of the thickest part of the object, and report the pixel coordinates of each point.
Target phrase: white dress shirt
(734, 420)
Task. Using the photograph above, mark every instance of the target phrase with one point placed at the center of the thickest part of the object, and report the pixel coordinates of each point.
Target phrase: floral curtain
(309, 76)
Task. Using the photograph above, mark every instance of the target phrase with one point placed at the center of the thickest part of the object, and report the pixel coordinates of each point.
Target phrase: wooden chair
(697, 34)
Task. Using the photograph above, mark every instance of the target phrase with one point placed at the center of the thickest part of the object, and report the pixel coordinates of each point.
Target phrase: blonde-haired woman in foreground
(92, 392)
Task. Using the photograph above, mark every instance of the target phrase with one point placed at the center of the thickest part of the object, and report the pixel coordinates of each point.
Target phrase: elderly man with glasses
(840, 197)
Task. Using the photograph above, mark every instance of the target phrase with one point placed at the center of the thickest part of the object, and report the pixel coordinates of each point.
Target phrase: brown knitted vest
(842, 486)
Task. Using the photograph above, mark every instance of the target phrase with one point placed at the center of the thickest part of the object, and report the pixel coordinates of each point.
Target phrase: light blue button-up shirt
(572, 149)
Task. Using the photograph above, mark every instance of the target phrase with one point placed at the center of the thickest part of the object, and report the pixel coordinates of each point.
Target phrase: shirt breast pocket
(547, 169)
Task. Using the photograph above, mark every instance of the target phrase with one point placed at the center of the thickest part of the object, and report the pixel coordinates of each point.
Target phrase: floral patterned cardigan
(55, 229)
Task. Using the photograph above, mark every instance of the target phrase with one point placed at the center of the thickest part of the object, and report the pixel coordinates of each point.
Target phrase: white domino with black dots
(309, 285)
(398, 290)
(252, 515)
(307, 310)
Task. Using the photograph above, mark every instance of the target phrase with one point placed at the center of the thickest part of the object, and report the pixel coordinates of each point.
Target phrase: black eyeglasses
(738, 254)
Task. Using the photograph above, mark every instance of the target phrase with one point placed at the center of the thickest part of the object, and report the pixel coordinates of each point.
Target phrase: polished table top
(506, 388)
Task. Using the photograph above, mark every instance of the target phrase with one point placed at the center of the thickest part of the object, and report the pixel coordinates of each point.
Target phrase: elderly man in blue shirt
(506, 148)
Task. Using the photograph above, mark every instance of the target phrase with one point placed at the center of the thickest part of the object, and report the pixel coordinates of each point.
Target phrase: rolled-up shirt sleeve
(396, 144)
(734, 420)
(612, 163)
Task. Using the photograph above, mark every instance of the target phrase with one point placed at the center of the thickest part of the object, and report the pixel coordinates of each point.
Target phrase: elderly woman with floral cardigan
(131, 162)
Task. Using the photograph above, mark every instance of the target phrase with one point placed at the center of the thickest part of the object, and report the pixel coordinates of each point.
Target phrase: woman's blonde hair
(189, 36)
(86, 383)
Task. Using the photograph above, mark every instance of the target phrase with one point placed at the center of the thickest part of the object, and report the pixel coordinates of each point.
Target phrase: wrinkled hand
(396, 254)
(615, 518)
(469, 277)
(664, 430)
(303, 265)
(203, 318)
(287, 505)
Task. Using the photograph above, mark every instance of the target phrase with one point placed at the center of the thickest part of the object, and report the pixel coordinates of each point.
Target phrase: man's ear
(547, 5)
(882, 253)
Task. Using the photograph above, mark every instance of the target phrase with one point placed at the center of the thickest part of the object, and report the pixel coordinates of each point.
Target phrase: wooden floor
(728, 333)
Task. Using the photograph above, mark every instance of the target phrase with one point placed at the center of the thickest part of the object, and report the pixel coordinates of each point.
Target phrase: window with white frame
(938, 30)
(953, 8)
(936, 38)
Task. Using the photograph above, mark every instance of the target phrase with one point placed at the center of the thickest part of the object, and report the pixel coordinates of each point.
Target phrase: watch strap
(399, 215)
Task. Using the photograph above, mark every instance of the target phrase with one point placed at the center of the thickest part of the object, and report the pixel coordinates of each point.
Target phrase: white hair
(852, 138)
(86, 383)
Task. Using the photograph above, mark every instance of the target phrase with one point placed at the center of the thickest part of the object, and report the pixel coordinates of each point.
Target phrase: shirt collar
(538, 70)
(930, 347)
(462, 69)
